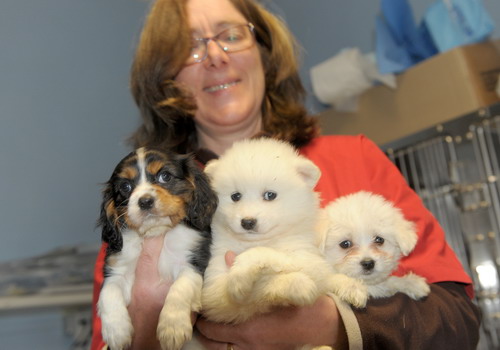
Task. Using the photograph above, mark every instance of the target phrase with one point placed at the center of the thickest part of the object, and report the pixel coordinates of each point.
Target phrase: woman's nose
(216, 54)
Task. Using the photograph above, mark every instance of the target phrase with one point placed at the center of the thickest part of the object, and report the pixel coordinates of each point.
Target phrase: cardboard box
(437, 90)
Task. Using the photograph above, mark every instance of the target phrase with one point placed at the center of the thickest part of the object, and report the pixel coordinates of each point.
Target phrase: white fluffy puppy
(364, 236)
(267, 215)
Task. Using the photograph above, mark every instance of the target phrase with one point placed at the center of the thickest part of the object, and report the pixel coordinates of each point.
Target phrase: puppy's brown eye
(163, 177)
(379, 240)
(270, 196)
(125, 187)
(236, 196)
(345, 244)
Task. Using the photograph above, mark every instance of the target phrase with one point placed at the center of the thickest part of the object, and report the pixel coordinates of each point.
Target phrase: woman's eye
(345, 244)
(164, 177)
(379, 240)
(196, 44)
(236, 196)
(270, 195)
(230, 35)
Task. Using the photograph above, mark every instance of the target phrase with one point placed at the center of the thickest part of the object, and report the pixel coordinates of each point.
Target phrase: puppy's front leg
(291, 288)
(184, 297)
(350, 290)
(252, 265)
(117, 329)
(410, 284)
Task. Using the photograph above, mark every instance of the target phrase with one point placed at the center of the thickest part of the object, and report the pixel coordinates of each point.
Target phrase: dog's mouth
(258, 235)
(253, 235)
(160, 214)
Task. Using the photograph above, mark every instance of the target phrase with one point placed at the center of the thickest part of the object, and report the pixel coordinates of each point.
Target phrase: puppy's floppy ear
(309, 172)
(204, 202)
(109, 221)
(404, 231)
(406, 234)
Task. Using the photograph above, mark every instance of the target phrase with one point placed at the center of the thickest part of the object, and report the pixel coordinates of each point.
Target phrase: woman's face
(228, 87)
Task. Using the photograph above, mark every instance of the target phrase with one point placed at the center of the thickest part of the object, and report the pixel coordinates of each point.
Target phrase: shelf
(75, 296)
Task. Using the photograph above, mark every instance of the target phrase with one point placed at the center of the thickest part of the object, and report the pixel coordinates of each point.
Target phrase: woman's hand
(283, 328)
(148, 296)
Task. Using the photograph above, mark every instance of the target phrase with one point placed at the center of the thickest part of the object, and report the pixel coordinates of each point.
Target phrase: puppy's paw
(174, 329)
(350, 290)
(354, 296)
(295, 288)
(117, 329)
(415, 286)
(302, 289)
(240, 282)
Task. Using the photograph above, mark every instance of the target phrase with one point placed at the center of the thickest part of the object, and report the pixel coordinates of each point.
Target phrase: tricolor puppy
(364, 237)
(267, 215)
(153, 193)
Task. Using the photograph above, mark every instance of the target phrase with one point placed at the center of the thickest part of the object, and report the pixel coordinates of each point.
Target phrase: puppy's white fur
(278, 262)
(364, 236)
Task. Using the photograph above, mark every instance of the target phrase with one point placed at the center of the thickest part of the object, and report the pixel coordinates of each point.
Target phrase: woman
(210, 72)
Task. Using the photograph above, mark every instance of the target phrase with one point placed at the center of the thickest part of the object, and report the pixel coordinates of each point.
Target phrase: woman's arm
(446, 319)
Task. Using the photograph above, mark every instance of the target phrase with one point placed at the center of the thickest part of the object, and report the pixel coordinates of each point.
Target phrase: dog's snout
(146, 202)
(248, 223)
(367, 264)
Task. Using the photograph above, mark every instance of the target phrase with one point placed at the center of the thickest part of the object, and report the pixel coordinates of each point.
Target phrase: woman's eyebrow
(220, 26)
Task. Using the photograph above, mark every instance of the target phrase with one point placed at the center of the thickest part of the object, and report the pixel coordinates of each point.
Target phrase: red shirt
(351, 164)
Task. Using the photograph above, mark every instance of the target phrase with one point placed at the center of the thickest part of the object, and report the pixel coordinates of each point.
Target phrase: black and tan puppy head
(151, 191)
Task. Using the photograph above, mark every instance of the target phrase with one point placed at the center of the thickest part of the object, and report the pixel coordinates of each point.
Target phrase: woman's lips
(219, 87)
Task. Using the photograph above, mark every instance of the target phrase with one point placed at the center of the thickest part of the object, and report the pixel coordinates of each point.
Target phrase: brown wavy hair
(167, 109)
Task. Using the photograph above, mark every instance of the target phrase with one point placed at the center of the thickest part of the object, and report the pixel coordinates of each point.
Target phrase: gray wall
(65, 111)
(65, 107)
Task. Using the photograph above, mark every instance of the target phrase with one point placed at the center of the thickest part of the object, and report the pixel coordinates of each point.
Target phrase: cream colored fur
(377, 233)
(278, 262)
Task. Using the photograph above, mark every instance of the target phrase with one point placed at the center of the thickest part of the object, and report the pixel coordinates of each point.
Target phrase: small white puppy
(267, 214)
(364, 236)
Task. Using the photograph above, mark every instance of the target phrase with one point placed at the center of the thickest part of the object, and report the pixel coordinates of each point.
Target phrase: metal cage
(454, 168)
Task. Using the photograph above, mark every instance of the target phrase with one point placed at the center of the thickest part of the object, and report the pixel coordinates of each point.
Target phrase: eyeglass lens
(232, 39)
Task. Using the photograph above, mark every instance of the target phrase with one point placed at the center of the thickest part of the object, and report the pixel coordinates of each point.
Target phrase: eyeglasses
(232, 39)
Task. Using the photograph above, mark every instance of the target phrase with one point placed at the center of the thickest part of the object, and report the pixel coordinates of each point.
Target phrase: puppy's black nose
(146, 202)
(248, 223)
(367, 264)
